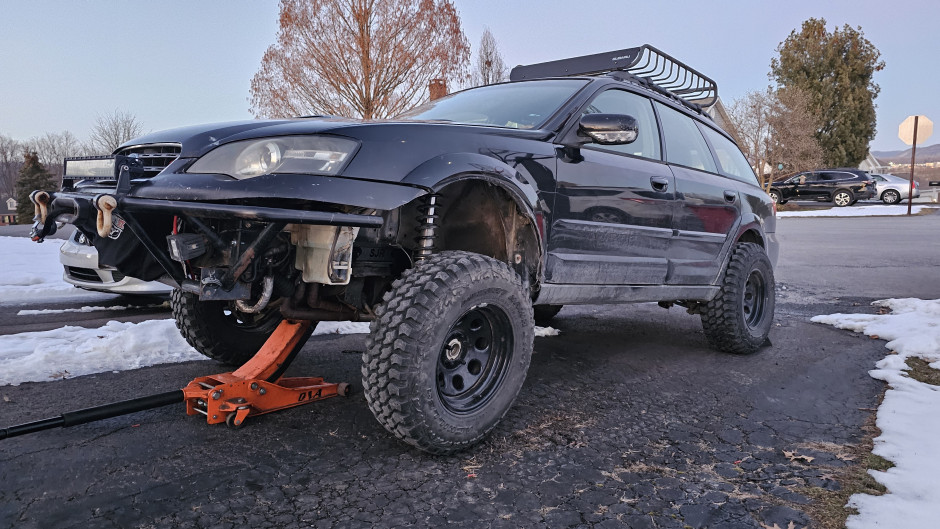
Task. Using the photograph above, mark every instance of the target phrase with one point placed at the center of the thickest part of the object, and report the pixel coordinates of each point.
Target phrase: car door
(612, 223)
(811, 187)
(707, 204)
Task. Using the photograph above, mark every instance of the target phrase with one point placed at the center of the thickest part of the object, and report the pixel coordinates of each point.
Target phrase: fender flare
(449, 168)
(441, 171)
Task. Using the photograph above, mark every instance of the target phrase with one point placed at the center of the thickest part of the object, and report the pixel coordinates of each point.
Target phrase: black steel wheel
(739, 318)
(890, 196)
(448, 351)
(842, 198)
(220, 331)
(472, 363)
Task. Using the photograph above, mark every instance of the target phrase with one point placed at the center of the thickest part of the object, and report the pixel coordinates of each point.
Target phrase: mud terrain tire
(216, 330)
(738, 320)
(448, 351)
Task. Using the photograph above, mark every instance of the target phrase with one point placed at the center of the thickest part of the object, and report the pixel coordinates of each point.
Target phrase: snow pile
(856, 211)
(31, 312)
(31, 271)
(908, 416)
(73, 351)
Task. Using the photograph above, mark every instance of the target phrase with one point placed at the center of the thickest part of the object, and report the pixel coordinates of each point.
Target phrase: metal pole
(910, 189)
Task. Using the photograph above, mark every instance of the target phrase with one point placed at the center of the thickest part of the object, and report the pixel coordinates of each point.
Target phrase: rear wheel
(218, 330)
(448, 351)
(842, 198)
(890, 196)
(775, 196)
(738, 320)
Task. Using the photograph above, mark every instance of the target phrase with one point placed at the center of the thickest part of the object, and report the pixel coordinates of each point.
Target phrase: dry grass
(922, 372)
(828, 509)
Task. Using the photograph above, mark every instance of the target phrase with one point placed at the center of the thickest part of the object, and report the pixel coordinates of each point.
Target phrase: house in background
(7, 211)
(871, 165)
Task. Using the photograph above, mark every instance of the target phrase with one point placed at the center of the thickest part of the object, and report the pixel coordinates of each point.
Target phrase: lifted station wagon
(452, 228)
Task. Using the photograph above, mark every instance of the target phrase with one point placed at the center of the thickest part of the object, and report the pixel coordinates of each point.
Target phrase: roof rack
(644, 62)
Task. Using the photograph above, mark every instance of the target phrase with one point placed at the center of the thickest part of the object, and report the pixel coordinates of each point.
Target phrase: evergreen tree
(835, 70)
(32, 176)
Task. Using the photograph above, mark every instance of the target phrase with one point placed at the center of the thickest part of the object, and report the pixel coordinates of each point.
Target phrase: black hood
(199, 139)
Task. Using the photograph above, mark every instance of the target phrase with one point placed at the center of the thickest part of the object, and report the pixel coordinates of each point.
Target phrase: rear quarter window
(731, 162)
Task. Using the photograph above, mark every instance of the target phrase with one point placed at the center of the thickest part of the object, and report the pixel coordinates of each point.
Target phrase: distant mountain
(930, 153)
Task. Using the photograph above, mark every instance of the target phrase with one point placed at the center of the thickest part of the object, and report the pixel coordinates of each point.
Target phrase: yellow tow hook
(40, 200)
(104, 204)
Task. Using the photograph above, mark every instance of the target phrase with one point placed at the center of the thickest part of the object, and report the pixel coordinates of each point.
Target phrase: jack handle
(96, 413)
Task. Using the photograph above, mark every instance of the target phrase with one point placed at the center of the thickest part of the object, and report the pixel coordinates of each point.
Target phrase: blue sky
(174, 63)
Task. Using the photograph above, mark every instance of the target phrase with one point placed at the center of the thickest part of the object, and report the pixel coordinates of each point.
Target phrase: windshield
(522, 105)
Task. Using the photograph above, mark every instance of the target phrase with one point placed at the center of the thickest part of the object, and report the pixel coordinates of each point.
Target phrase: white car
(80, 259)
(892, 189)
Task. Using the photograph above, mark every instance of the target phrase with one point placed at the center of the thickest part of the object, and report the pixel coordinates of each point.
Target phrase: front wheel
(775, 196)
(218, 330)
(738, 319)
(448, 351)
(890, 196)
(842, 198)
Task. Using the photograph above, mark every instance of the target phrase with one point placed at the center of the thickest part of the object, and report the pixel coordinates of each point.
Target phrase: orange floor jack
(246, 392)
(255, 388)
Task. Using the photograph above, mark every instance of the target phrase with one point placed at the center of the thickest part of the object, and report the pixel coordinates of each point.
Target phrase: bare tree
(750, 115)
(776, 128)
(358, 58)
(793, 127)
(111, 130)
(11, 159)
(53, 147)
(489, 67)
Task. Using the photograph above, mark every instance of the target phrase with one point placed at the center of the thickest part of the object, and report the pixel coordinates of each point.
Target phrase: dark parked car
(842, 187)
(579, 182)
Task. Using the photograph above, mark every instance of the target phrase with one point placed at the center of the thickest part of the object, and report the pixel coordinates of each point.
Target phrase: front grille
(155, 157)
(83, 274)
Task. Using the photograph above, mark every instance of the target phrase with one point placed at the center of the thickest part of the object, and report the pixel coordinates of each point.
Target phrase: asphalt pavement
(626, 419)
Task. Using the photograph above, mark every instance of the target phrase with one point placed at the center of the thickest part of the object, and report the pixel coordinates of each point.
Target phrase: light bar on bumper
(89, 168)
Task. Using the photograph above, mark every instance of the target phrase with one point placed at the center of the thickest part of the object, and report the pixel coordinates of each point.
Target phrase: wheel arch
(483, 206)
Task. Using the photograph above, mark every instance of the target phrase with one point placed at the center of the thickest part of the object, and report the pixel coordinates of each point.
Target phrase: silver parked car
(892, 189)
(80, 260)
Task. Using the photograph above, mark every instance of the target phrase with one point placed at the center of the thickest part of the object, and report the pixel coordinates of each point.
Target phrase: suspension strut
(427, 220)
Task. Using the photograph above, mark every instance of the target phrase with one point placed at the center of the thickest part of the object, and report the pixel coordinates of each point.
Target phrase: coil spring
(427, 226)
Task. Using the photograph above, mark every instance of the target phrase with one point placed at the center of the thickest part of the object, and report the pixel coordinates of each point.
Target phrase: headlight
(284, 154)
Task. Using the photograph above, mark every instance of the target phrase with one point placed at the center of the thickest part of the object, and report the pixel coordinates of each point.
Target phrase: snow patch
(856, 211)
(541, 332)
(35, 273)
(908, 417)
(25, 312)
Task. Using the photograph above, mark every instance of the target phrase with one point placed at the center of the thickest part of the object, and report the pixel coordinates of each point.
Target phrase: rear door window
(685, 144)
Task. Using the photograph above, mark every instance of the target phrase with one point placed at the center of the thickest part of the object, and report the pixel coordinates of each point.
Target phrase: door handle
(730, 196)
(659, 183)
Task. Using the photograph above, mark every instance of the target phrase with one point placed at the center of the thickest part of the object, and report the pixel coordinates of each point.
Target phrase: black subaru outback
(453, 228)
(843, 187)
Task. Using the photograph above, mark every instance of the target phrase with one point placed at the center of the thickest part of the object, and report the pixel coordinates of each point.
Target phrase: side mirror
(609, 129)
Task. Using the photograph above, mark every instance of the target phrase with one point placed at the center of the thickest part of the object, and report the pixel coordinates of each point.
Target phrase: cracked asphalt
(626, 420)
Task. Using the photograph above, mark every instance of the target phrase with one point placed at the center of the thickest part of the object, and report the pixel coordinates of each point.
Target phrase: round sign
(924, 129)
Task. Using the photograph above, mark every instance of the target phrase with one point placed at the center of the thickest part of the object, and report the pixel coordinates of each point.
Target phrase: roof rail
(645, 62)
